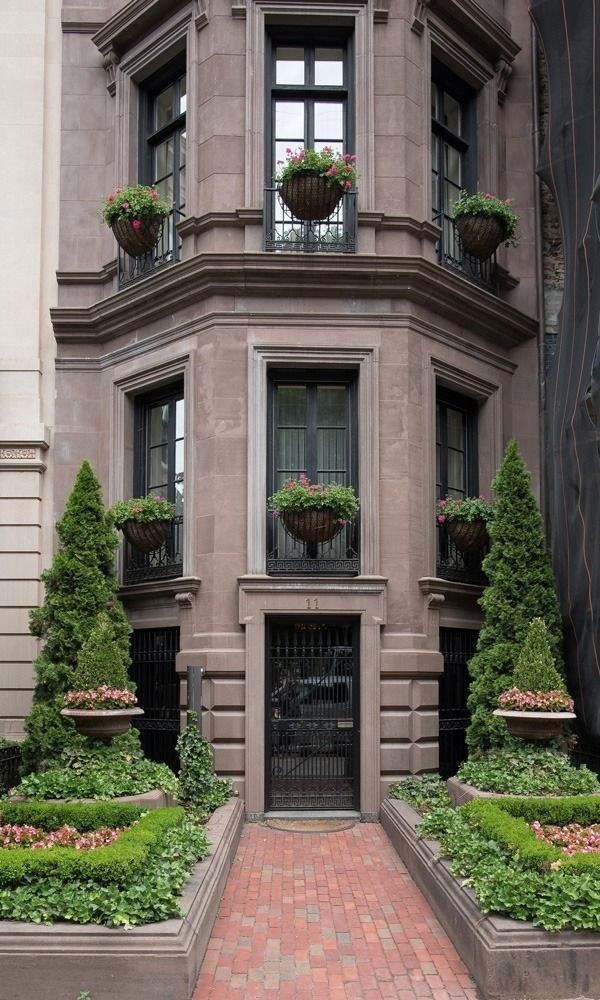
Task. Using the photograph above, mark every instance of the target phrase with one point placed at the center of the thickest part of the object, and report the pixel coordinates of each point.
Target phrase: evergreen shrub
(100, 659)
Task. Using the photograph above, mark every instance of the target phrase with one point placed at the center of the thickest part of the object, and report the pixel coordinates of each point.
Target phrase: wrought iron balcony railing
(452, 564)
(287, 556)
(452, 255)
(164, 562)
(166, 251)
(285, 233)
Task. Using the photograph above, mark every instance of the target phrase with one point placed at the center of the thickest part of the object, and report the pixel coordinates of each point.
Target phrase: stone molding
(490, 35)
(133, 21)
(190, 281)
(24, 455)
(161, 588)
(362, 598)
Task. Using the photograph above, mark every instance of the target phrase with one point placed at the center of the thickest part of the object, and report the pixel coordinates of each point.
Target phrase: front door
(312, 716)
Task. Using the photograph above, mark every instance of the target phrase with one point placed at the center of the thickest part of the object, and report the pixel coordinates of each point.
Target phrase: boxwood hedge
(505, 821)
(116, 863)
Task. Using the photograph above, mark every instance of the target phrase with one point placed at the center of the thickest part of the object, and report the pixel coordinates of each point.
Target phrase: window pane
(434, 100)
(452, 164)
(182, 148)
(163, 159)
(159, 424)
(289, 65)
(179, 418)
(329, 121)
(291, 406)
(163, 108)
(289, 121)
(456, 428)
(165, 189)
(182, 95)
(331, 405)
(456, 472)
(158, 475)
(329, 67)
(178, 459)
(452, 114)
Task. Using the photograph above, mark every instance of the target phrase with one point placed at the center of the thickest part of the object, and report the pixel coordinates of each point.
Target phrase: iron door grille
(312, 716)
(457, 646)
(153, 652)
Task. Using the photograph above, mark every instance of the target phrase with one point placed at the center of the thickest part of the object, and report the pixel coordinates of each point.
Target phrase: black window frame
(315, 558)
(466, 143)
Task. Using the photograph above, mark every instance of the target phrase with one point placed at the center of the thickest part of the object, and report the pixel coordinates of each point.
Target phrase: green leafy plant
(201, 791)
(338, 169)
(521, 587)
(142, 509)
(466, 508)
(423, 792)
(301, 494)
(490, 206)
(138, 201)
(80, 583)
(521, 768)
(537, 685)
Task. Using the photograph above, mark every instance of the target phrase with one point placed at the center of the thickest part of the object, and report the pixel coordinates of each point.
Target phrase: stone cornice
(435, 586)
(133, 21)
(358, 276)
(488, 34)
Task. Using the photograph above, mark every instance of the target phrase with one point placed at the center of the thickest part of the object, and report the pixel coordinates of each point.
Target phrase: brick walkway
(327, 916)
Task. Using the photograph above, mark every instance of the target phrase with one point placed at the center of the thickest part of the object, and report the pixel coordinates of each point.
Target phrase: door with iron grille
(457, 646)
(153, 652)
(312, 712)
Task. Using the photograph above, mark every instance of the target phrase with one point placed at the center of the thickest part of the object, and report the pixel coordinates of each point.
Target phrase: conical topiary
(521, 587)
(100, 660)
(535, 670)
(80, 583)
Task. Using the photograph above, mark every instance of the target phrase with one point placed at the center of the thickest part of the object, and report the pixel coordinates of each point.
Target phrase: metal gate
(457, 646)
(153, 652)
(312, 716)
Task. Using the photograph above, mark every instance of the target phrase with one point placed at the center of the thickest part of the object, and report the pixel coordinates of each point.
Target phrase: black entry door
(458, 646)
(312, 716)
(153, 652)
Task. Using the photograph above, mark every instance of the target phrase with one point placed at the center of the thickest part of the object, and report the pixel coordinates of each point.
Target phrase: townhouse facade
(248, 347)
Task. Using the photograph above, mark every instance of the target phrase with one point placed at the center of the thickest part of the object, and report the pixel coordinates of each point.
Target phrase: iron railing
(285, 233)
(10, 762)
(288, 556)
(164, 562)
(457, 646)
(452, 564)
(153, 652)
(166, 251)
(452, 255)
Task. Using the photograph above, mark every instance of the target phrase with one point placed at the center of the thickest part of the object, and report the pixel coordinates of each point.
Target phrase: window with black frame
(309, 106)
(159, 469)
(452, 155)
(162, 162)
(456, 476)
(312, 429)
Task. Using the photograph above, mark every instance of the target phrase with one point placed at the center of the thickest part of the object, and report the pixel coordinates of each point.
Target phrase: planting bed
(509, 959)
(159, 959)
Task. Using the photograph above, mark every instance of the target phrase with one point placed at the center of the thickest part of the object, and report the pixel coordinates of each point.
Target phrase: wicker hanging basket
(137, 242)
(309, 197)
(480, 234)
(468, 536)
(311, 525)
(146, 536)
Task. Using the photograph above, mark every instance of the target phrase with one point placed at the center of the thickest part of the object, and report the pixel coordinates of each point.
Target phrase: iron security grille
(457, 646)
(153, 652)
(10, 762)
(312, 717)
(285, 233)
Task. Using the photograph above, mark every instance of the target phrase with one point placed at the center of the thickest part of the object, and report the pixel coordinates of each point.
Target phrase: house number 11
(312, 603)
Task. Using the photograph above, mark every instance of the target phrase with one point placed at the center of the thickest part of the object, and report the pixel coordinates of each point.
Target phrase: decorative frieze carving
(18, 454)
(110, 62)
(419, 16)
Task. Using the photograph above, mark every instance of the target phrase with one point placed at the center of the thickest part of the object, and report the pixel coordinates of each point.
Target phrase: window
(312, 429)
(452, 152)
(163, 154)
(309, 106)
(159, 468)
(456, 475)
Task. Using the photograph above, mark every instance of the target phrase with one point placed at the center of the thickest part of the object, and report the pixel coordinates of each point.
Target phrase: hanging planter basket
(309, 197)
(480, 234)
(468, 536)
(146, 536)
(102, 723)
(311, 525)
(541, 727)
(137, 242)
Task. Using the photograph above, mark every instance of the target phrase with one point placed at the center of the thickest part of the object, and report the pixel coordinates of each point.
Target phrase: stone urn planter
(309, 197)
(480, 235)
(468, 536)
(311, 525)
(146, 536)
(102, 724)
(541, 727)
(137, 241)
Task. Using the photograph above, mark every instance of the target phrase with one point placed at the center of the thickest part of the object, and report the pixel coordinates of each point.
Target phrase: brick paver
(327, 915)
